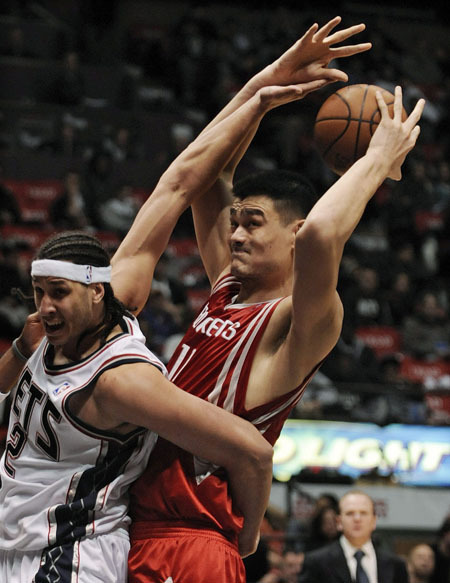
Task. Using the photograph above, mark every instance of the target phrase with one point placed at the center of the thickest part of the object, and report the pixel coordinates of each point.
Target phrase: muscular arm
(305, 63)
(316, 309)
(190, 175)
(140, 395)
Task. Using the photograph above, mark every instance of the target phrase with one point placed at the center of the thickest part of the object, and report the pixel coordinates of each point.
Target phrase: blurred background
(97, 98)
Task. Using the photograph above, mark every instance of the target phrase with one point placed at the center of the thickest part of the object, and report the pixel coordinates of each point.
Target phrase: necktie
(361, 575)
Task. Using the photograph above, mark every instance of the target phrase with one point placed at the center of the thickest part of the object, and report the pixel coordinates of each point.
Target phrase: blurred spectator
(322, 529)
(68, 211)
(442, 187)
(320, 400)
(404, 258)
(413, 192)
(364, 302)
(351, 360)
(441, 572)
(288, 570)
(118, 212)
(420, 563)
(11, 273)
(12, 317)
(400, 297)
(99, 184)
(69, 86)
(66, 141)
(159, 320)
(426, 333)
(340, 560)
(15, 45)
(10, 213)
(166, 280)
(119, 146)
(403, 400)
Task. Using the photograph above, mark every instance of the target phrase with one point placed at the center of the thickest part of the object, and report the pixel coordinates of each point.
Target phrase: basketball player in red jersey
(272, 317)
(194, 171)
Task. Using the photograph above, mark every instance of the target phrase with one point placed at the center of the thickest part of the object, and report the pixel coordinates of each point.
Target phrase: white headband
(73, 271)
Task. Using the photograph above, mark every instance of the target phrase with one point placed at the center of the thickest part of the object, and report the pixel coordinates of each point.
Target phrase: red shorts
(164, 554)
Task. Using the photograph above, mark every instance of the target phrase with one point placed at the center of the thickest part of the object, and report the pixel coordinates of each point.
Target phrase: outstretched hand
(394, 138)
(274, 96)
(309, 57)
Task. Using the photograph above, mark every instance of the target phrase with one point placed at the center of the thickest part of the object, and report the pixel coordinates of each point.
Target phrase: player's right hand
(31, 335)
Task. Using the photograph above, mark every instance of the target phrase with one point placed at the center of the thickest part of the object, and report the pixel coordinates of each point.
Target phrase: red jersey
(213, 361)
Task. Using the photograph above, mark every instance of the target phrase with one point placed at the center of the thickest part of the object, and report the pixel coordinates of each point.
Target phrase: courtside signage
(411, 454)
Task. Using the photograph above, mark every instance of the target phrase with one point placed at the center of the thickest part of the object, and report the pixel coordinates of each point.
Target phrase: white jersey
(62, 480)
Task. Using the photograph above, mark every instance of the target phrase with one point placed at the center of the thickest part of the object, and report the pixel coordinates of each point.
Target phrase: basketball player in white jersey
(78, 432)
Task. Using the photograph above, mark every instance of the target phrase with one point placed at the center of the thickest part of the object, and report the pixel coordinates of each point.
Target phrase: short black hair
(292, 194)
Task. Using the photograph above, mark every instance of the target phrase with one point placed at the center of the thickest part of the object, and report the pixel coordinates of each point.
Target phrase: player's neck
(253, 291)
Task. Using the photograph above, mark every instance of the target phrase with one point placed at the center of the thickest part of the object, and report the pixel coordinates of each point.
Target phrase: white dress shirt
(369, 561)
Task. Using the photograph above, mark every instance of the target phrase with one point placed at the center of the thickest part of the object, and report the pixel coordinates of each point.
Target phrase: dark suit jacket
(328, 565)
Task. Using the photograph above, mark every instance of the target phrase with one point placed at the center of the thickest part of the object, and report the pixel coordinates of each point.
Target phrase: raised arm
(190, 175)
(316, 309)
(306, 61)
(141, 395)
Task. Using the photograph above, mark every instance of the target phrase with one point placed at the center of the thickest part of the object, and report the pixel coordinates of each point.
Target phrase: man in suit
(353, 558)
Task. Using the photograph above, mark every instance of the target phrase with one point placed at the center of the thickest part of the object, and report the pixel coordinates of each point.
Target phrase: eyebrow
(247, 211)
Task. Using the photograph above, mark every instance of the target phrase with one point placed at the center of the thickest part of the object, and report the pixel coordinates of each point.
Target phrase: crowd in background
(279, 559)
(395, 271)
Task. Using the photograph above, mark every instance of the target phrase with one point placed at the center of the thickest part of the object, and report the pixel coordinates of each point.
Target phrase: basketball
(346, 122)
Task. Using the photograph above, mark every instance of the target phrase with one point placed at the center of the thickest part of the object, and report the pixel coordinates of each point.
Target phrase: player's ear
(339, 523)
(298, 225)
(98, 292)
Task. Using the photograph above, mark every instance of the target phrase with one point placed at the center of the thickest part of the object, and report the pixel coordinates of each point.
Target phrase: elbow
(260, 458)
(319, 236)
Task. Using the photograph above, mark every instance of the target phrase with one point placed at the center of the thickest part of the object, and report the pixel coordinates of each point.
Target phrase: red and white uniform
(213, 361)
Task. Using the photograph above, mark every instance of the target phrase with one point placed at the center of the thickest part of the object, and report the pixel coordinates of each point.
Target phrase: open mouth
(54, 327)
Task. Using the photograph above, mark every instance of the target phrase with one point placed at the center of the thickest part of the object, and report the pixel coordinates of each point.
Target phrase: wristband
(17, 353)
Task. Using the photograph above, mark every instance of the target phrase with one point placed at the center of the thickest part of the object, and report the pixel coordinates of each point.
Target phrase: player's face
(66, 308)
(261, 244)
(357, 519)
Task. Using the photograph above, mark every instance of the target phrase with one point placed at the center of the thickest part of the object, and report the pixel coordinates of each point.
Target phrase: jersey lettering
(216, 327)
(14, 447)
(184, 357)
(47, 442)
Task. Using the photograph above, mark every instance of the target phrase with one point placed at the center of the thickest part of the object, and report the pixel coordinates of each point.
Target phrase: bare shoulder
(288, 352)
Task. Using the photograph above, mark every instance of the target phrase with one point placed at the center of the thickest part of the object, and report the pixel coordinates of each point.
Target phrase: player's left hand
(394, 139)
(309, 57)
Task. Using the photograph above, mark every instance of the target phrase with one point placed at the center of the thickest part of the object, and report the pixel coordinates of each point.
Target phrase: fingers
(398, 102)
(350, 50)
(327, 28)
(416, 114)
(381, 105)
(344, 34)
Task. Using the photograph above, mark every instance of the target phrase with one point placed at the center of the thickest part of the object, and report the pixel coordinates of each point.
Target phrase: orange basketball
(346, 122)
